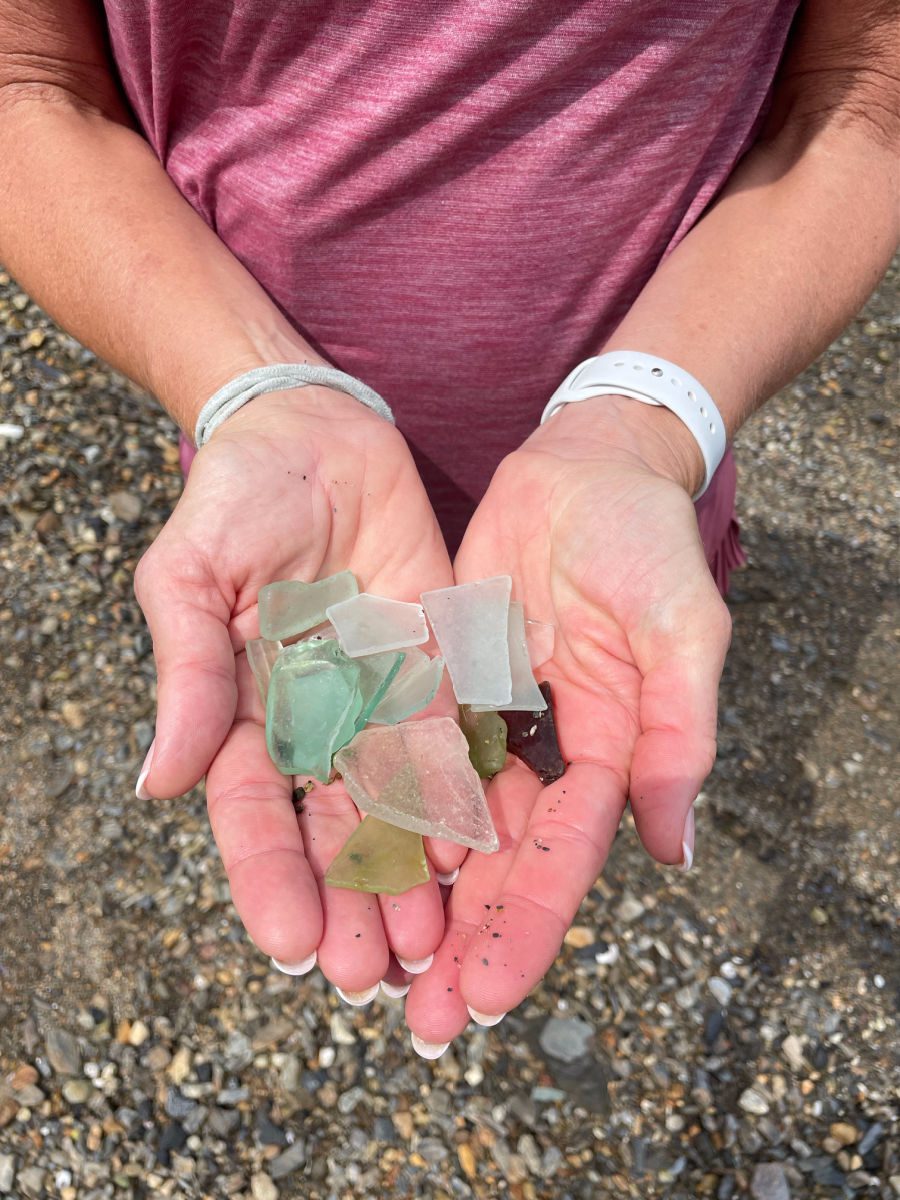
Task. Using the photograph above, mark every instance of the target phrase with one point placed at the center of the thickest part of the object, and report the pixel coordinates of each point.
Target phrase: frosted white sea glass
(470, 623)
(414, 687)
(368, 624)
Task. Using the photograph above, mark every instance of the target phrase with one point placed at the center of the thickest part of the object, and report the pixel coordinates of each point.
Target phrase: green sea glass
(291, 606)
(378, 857)
(414, 687)
(486, 734)
(418, 775)
(313, 704)
(261, 655)
(376, 674)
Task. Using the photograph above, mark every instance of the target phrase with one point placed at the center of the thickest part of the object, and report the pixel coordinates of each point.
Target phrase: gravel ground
(727, 1033)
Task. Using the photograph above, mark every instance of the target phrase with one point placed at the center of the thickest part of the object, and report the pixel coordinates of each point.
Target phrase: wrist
(653, 435)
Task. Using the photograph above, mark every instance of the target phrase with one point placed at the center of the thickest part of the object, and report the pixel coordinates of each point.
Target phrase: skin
(592, 516)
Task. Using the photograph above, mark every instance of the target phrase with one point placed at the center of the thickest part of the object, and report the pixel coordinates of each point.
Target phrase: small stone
(769, 1182)
(125, 505)
(630, 909)
(262, 1187)
(466, 1156)
(31, 1182)
(33, 339)
(368, 624)
(470, 623)
(77, 1091)
(24, 1076)
(580, 936)
(290, 1160)
(73, 715)
(474, 1075)
(291, 606)
(341, 1033)
(63, 1051)
(844, 1133)
(180, 1066)
(138, 1034)
(7, 1172)
(566, 1038)
(721, 990)
(792, 1049)
(870, 1139)
(753, 1101)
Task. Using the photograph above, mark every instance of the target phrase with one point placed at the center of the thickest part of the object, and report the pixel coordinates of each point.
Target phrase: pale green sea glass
(470, 623)
(541, 638)
(525, 694)
(418, 775)
(291, 606)
(367, 624)
(376, 674)
(261, 655)
(313, 704)
(378, 857)
(486, 734)
(415, 686)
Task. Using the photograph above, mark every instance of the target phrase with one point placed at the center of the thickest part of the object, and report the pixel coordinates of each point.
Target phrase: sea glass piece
(525, 694)
(531, 736)
(486, 734)
(378, 857)
(541, 638)
(418, 775)
(414, 687)
(261, 655)
(376, 674)
(290, 606)
(470, 625)
(313, 703)
(367, 624)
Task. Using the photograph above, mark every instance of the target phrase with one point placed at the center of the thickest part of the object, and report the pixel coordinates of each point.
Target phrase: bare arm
(94, 229)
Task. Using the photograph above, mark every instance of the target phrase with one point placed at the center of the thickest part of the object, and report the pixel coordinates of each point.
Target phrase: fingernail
(301, 968)
(358, 999)
(415, 966)
(396, 991)
(687, 842)
(448, 879)
(485, 1018)
(428, 1049)
(140, 791)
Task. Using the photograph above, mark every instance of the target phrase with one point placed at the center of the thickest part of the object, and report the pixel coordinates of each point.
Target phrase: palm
(311, 498)
(610, 555)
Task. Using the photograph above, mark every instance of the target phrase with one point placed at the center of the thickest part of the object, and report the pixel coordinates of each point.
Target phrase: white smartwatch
(650, 380)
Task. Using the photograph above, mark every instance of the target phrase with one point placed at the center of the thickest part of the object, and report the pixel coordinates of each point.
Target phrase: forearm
(95, 230)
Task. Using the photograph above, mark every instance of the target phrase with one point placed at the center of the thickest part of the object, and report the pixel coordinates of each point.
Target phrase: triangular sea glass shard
(531, 737)
(378, 857)
(414, 687)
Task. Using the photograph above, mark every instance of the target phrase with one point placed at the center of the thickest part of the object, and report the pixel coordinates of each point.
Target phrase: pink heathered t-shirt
(455, 200)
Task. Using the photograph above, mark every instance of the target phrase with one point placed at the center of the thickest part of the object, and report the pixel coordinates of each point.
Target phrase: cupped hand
(593, 520)
(297, 485)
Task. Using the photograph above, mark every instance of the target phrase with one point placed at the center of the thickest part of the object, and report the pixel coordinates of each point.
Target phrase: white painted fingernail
(415, 966)
(428, 1049)
(448, 879)
(687, 841)
(358, 999)
(140, 791)
(301, 968)
(485, 1018)
(396, 991)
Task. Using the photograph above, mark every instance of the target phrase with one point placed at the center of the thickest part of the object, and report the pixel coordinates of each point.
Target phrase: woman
(457, 204)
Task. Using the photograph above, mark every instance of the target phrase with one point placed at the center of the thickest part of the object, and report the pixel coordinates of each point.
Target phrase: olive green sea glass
(486, 734)
(376, 674)
(418, 775)
(313, 703)
(291, 606)
(261, 655)
(414, 687)
(378, 857)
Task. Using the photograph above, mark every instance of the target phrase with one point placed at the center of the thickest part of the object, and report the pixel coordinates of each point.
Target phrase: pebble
(125, 505)
(870, 1139)
(769, 1182)
(262, 1187)
(630, 909)
(720, 990)
(63, 1052)
(753, 1101)
(566, 1038)
(7, 1172)
(290, 1160)
(31, 1182)
(77, 1091)
(138, 1034)
(843, 1133)
(792, 1049)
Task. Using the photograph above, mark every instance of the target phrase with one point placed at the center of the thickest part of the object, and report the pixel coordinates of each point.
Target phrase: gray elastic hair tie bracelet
(276, 378)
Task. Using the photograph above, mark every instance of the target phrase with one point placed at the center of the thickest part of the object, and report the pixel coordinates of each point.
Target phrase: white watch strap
(650, 380)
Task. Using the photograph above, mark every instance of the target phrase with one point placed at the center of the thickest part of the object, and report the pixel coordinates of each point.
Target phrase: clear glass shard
(290, 606)
(367, 624)
(486, 734)
(376, 674)
(378, 857)
(418, 775)
(413, 689)
(313, 704)
(541, 638)
(261, 655)
(526, 696)
(470, 624)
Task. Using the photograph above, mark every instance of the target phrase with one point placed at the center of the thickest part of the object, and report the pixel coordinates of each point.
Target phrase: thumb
(196, 689)
(676, 748)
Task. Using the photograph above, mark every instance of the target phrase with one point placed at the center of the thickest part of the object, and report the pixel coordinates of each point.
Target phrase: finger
(353, 952)
(255, 827)
(675, 751)
(414, 923)
(572, 825)
(435, 1009)
(196, 691)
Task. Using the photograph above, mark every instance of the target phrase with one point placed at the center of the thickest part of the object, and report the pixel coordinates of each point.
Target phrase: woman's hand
(297, 485)
(593, 520)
